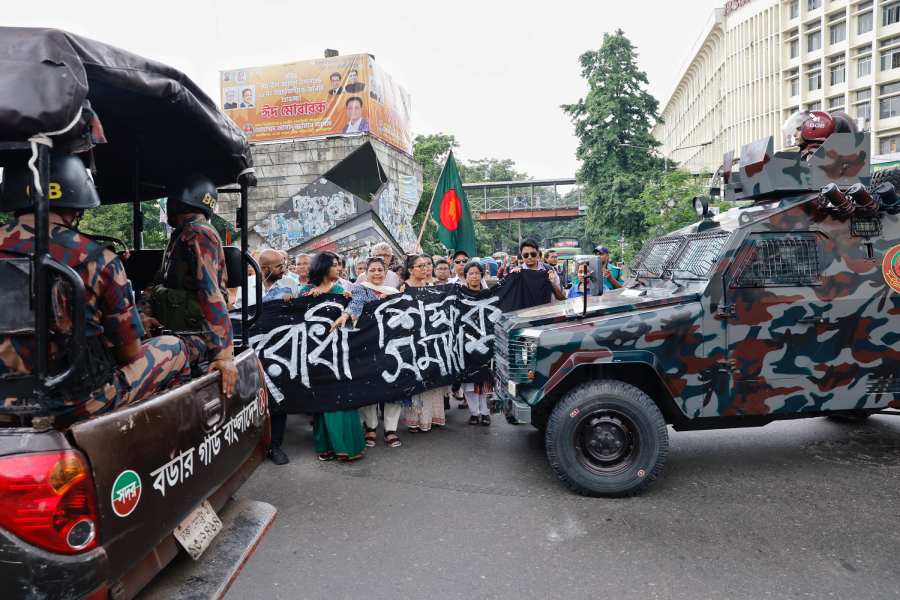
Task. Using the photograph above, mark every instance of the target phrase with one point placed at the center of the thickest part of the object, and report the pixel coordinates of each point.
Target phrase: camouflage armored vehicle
(786, 307)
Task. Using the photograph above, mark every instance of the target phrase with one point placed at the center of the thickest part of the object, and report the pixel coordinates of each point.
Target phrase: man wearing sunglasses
(531, 260)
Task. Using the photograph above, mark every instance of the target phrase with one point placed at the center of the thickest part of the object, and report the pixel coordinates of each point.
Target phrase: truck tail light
(47, 499)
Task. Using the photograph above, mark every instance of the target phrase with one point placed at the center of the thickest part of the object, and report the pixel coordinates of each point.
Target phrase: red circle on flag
(451, 210)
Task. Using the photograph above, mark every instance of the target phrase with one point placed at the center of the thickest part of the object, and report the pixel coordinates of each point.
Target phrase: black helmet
(196, 192)
(70, 185)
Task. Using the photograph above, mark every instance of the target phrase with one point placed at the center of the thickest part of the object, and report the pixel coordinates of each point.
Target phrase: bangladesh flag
(450, 210)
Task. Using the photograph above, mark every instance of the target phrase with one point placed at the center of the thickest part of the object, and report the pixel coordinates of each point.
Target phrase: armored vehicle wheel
(850, 416)
(606, 438)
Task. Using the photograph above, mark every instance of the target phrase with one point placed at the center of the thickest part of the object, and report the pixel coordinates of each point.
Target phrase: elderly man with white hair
(384, 251)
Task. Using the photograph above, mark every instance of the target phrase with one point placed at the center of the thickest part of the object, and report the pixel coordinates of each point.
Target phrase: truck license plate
(511, 388)
(197, 530)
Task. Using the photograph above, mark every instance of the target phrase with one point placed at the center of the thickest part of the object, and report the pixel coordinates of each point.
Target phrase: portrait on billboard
(248, 96)
(231, 98)
(335, 80)
(356, 122)
(354, 85)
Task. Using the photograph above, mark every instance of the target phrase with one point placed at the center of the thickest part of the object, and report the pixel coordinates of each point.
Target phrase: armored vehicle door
(808, 318)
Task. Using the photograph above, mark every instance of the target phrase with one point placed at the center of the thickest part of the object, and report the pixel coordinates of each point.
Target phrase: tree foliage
(613, 123)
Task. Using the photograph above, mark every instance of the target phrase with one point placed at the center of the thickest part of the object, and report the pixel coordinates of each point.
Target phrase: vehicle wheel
(606, 438)
(850, 416)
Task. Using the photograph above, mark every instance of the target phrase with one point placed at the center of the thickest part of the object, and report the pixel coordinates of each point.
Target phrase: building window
(864, 23)
(864, 66)
(794, 48)
(890, 13)
(889, 106)
(813, 41)
(794, 86)
(863, 56)
(795, 9)
(837, 33)
(864, 111)
(814, 77)
(888, 145)
(814, 106)
(813, 4)
(836, 103)
(890, 53)
(837, 73)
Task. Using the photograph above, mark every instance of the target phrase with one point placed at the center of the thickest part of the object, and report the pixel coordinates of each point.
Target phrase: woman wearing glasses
(427, 408)
(372, 289)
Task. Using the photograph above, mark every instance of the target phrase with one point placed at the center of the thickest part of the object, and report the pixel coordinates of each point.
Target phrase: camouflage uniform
(195, 261)
(111, 317)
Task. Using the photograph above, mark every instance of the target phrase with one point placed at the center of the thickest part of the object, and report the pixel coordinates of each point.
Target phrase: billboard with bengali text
(341, 95)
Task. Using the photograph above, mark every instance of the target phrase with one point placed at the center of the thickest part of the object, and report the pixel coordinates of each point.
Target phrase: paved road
(804, 509)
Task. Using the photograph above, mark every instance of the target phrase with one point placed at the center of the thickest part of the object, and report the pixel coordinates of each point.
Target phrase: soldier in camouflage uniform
(119, 369)
(191, 292)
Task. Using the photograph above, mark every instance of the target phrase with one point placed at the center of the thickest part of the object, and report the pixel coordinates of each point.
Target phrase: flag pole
(430, 204)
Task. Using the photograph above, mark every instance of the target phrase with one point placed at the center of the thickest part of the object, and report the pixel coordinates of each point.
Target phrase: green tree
(114, 220)
(613, 123)
(667, 205)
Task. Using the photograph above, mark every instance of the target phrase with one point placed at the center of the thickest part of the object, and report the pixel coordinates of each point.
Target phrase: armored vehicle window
(778, 261)
(699, 255)
(654, 257)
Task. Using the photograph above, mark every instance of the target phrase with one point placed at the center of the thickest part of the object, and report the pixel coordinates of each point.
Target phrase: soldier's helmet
(196, 193)
(817, 127)
(70, 186)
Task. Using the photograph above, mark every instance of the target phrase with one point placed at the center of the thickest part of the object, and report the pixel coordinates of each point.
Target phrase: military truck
(785, 307)
(100, 507)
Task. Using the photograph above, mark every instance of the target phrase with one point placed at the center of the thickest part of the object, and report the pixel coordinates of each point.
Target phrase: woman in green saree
(336, 434)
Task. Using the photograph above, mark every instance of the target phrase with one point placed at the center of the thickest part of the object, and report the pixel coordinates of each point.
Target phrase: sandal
(485, 420)
(370, 437)
(345, 458)
(326, 456)
(392, 440)
(413, 429)
(473, 420)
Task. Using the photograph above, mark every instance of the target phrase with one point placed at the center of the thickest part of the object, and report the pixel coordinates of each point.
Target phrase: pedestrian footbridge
(528, 200)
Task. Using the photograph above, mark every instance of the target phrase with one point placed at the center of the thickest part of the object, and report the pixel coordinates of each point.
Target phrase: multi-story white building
(758, 61)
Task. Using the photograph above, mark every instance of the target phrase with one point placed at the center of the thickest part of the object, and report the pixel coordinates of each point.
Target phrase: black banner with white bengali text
(401, 345)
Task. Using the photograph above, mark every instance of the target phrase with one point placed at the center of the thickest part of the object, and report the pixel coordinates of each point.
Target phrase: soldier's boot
(164, 363)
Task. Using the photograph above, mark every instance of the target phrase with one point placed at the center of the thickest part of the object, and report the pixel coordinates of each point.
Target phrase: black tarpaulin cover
(159, 124)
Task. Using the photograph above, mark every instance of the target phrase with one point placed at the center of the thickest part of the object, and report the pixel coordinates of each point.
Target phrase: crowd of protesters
(344, 434)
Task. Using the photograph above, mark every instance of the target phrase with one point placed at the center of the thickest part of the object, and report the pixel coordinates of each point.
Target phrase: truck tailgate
(154, 462)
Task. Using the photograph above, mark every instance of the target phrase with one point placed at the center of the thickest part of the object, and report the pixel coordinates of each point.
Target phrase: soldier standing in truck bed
(118, 369)
(191, 294)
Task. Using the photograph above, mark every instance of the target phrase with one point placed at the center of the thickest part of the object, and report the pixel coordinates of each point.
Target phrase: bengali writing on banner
(328, 96)
(401, 345)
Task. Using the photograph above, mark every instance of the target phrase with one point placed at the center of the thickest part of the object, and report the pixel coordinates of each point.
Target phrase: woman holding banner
(427, 408)
(373, 289)
(478, 393)
(336, 434)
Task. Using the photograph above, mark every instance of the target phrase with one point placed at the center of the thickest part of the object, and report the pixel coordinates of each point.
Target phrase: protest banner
(401, 345)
